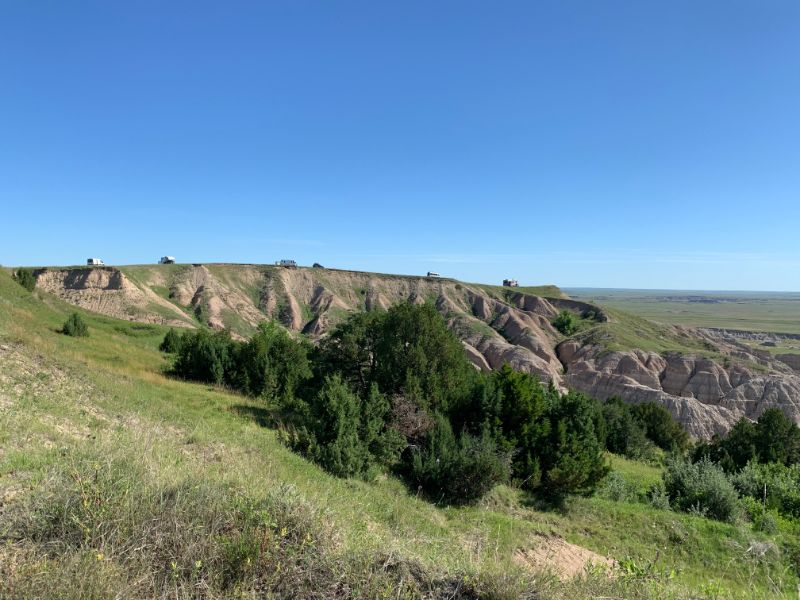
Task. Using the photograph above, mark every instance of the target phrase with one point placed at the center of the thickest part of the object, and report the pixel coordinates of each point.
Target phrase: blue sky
(610, 144)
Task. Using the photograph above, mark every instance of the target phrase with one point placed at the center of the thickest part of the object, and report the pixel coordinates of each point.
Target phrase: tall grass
(98, 528)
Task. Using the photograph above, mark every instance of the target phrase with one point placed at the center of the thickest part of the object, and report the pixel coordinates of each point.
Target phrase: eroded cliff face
(108, 291)
(708, 387)
(707, 396)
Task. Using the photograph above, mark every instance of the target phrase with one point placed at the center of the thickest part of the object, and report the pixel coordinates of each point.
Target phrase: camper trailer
(510, 283)
(433, 274)
(287, 262)
(94, 262)
(167, 260)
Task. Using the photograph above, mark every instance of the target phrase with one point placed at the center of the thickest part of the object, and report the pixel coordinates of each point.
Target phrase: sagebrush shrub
(701, 487)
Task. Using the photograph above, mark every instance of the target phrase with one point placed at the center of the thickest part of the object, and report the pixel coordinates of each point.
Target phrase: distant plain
(777, 312)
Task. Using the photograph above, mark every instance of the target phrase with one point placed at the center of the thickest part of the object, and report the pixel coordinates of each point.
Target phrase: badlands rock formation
(108, 291)
(709, 384)
(705, 395)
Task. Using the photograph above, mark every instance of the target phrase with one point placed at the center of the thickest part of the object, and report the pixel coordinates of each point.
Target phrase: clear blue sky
(594, 143)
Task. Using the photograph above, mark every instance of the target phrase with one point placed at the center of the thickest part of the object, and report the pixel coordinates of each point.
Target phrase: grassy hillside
(115, 479)
(625, 331)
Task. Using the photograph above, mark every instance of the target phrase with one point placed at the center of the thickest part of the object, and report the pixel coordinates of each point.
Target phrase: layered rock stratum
(708, 379)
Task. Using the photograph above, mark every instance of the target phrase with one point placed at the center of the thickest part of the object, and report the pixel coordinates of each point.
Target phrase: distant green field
(750, 311)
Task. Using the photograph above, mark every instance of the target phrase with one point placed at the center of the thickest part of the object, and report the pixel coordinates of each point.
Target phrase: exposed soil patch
(566, 560)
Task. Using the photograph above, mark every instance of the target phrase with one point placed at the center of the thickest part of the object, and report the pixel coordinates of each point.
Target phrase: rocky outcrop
(706, 396)
(793, 360)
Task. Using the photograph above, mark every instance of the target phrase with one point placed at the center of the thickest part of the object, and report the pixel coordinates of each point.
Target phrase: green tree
(457, 470)
(414, 342)
(383, 442)
(623, 434)
(774, 438)
(271, 364)
(25, 278)
(75, 326)
(350, 351)
(408, 343)
(566, 322)
(660, 426)
(337, 417)
(569, 453)
(514, 414)
(171, 342)
(777, 438)
(205, 356)
(733, 451)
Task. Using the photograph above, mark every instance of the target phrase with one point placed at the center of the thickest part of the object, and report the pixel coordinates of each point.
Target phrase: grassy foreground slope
(116, 481)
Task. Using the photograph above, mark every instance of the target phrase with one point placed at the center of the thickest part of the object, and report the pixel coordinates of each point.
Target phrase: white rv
(433, 274)
(167, 260)
(94, 262)
(287, 262)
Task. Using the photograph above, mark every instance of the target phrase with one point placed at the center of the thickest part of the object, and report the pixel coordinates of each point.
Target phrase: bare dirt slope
(708, 381)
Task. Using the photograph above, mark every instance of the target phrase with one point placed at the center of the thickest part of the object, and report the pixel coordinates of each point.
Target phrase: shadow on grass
(554, 504)
(263, 416)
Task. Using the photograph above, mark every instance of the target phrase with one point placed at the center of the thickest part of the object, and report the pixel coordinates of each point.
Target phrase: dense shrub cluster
(763, 462)
(75, 326)
(271, 364)
(394, 391)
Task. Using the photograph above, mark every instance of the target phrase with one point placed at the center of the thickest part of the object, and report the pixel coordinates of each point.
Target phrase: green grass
(99, 410)
(748, 311)
(641, 475)
(782, 346)
(625, 331)
(499, 291)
